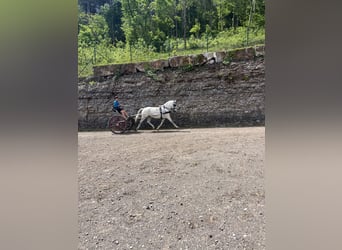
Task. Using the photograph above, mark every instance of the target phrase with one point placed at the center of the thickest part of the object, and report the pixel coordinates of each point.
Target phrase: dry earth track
(172, 189)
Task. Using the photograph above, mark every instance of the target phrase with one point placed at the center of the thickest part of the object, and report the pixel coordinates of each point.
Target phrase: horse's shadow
(126, 133)
(133, 132)
(170, 131)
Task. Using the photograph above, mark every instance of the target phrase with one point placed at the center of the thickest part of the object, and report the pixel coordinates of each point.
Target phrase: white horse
(162, 112)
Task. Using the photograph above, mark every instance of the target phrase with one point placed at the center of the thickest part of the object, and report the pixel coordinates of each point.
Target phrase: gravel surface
(172, 189)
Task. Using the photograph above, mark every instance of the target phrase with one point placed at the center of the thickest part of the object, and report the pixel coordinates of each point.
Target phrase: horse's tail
(138, 116)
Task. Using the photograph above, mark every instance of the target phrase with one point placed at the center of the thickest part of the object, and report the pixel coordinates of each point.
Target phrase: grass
(104, 54)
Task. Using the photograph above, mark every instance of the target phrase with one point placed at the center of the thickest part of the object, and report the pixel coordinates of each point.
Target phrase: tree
(113, 16)
(94, 32)
(183, 6)
(196, 29)
(92, 6)
(136, 20)
(250, 18)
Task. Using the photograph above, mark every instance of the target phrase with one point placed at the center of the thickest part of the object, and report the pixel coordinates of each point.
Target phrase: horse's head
(171, 105)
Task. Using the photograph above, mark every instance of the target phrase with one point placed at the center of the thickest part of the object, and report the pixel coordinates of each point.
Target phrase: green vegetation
(187, 68)
(123, 31)
(152, 75)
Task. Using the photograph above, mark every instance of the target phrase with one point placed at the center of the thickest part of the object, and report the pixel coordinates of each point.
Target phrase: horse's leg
(174, 124)
(161, 123)
(149, 122)
(142, 119)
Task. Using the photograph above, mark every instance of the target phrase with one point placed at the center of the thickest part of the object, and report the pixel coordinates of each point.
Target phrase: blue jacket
(116, 104)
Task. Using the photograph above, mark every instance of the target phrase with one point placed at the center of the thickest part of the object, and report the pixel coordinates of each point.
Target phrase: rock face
(230, 92)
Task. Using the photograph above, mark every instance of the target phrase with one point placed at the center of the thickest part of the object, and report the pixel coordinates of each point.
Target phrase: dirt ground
(172, 189)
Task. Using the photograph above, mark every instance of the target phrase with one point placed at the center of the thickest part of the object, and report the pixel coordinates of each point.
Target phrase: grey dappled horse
(162, 112)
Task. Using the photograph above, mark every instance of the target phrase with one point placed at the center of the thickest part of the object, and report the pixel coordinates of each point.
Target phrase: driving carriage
(118, 124)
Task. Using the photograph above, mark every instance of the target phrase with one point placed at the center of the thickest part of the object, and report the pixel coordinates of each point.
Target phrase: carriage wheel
(130, 123)
(117, 124)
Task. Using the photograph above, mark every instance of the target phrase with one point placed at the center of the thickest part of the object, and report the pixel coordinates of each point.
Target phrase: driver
(119, 108)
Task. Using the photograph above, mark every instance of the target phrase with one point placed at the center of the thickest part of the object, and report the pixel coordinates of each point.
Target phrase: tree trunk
(249, 22)
(184, 25)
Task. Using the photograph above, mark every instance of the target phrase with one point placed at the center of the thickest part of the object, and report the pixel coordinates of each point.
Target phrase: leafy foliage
(120, 31)
(94, 31)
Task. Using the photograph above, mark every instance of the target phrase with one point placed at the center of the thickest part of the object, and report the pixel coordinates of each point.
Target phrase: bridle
(169, 110)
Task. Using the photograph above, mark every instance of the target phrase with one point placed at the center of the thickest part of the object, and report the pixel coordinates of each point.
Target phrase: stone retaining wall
(211, 89)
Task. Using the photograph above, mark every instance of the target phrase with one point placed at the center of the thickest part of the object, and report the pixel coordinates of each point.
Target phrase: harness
(161, 112)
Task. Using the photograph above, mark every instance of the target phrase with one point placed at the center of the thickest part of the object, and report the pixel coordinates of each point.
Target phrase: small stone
(116, 242)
